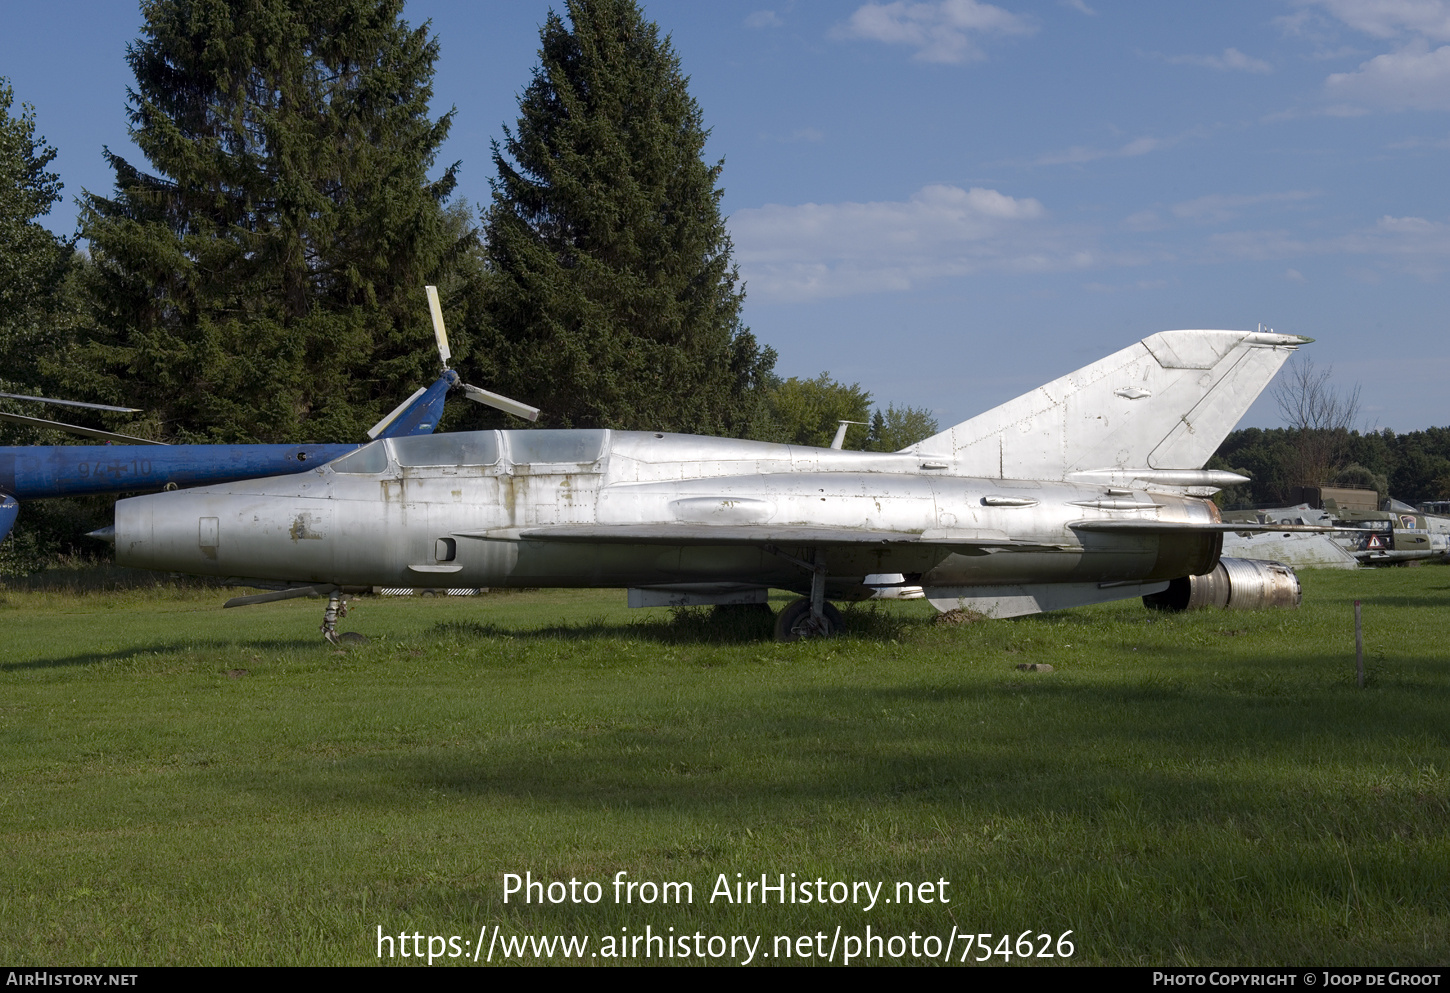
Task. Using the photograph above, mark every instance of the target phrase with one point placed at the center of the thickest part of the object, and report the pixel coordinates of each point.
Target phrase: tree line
(1321, 446)
(259, 278)
(1413, 466)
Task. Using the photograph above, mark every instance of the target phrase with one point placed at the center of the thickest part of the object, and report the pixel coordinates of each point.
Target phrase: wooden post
(1358, 647)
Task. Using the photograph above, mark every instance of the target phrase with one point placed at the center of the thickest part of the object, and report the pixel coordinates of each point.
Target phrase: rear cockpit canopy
(477, 448)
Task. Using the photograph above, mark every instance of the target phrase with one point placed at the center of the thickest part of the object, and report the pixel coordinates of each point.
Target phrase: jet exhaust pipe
(1234, 584)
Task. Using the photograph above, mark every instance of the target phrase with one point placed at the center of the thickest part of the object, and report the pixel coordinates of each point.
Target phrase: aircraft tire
(791, 624)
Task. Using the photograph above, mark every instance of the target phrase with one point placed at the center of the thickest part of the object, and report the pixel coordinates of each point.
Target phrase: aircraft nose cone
(106, 534)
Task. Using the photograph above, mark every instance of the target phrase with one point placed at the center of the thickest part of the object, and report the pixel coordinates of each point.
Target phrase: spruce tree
(266, 282)
(612, 298)
(33, 262)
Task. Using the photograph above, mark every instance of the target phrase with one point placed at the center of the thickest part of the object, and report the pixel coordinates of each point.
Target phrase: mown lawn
(183, 784)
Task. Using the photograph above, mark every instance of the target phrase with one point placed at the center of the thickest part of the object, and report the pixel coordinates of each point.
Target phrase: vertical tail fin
(1165, 403)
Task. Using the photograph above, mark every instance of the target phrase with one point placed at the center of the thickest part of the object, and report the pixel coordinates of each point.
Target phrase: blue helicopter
(128, 464)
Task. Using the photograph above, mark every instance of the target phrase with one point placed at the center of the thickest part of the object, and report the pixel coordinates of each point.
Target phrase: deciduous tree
(1321, 415)
(808, 411)
(899, 427)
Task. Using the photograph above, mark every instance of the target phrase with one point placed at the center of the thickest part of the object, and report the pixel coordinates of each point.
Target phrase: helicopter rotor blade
(439, 332)
(40, 422)
(72, 403)
(502, 403)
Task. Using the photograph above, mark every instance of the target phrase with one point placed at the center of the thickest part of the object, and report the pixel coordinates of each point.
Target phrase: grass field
(183, 784)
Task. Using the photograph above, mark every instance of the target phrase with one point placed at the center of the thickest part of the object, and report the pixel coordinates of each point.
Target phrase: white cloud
(1232, 60)
(1085, 153)
(1215, 208)
(763, 19)
(1383, 18)
(1139, 286)
(1342, 52)
(1143, 220)
(825, 250)
(943, 31)
(1419, 142)
(1415, 245)
(1079, 6)
(1414, 78)
(812, 251)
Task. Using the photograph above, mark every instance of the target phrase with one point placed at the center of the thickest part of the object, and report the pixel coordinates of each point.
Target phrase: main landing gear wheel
(795, 622)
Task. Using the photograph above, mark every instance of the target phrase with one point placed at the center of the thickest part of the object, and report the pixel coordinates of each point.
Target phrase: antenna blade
(436, 309)
(840, 438)
(76, 429)
(502, 403)
(73, 403)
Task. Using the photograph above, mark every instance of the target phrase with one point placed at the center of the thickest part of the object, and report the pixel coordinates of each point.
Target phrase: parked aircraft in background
(31, 472)
(1396, 534)
(1293, 548)
(1087, 489)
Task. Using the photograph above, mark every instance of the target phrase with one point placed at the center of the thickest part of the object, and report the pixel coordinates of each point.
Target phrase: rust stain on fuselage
(304, 528)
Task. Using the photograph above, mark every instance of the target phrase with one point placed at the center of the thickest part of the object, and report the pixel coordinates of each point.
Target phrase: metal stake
(1358, 647)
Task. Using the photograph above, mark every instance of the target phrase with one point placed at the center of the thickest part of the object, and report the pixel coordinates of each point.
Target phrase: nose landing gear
(337, 607)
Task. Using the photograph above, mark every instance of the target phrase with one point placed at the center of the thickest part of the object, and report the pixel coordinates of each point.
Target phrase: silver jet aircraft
(1087, 489)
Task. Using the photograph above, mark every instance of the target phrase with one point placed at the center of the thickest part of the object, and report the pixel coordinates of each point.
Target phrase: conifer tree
(612, 298)
(33, 262)
(266, 282)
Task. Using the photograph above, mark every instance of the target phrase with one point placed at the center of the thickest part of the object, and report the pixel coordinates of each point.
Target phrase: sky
(950, 202)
